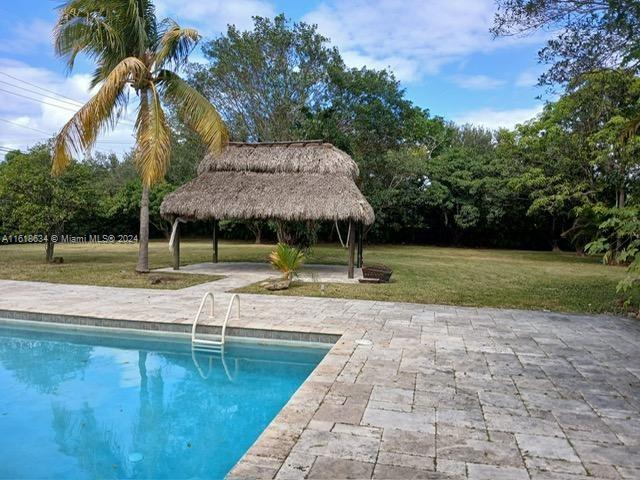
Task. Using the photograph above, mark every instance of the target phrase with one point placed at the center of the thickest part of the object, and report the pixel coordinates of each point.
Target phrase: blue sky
(441, 51)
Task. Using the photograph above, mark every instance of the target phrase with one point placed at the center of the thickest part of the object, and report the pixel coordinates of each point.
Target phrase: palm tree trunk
(143, 249)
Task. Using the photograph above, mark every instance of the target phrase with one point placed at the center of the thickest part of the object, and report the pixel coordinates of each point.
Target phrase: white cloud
(477, 82)
(494, 119)
(41, 116)
(403, 68)
(211, 17)
(419, 36)
(527, 78)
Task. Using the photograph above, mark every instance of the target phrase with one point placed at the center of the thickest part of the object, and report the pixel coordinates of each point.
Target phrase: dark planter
(381, 272)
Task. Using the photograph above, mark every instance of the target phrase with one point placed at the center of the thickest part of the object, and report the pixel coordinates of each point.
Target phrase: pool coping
(139, 326)
(271, 451)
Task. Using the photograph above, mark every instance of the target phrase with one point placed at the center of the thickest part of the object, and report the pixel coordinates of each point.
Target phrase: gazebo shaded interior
(289, 181)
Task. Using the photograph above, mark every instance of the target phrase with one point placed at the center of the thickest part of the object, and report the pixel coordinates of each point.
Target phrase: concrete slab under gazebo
(287, 181)
(241, 274)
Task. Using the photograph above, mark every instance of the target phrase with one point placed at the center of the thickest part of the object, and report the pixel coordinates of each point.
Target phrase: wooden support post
(352, 247)
(176, 248)
(215, 241)
(360, 245)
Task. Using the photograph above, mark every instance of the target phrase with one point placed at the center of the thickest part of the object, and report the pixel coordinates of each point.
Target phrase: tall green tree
(600, 106)
(369, 117)
(552, 173)
(585, 35)
(33, 202)
(265, 81)
(574, 155)
(468, 187)
(133, 51)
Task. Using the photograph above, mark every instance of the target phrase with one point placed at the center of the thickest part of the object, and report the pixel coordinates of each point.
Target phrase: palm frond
(175, 44)
(100, 112)
(142, 31)
(195, 110)
(87, 27)
(153, 138)
(106, 30)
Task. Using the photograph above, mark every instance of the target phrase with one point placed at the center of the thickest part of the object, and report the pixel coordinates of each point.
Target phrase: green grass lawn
(92, 264)
(477, 277)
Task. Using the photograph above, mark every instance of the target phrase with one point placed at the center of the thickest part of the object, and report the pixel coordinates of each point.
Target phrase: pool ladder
(218, 344)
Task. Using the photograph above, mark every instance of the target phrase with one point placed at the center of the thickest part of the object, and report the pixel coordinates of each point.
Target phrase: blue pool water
(78, 405)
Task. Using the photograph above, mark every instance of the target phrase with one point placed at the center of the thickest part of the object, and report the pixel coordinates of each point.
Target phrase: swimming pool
(93, 405)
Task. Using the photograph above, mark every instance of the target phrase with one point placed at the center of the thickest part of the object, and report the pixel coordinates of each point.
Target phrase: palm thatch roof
(281, 180)
(282, 157)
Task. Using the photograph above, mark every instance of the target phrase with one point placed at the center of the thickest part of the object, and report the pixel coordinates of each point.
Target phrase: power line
(26, 140)
(24, 126)
(101, 142)
(124, 121)
(38, 86)
(74, 104)
(37, 100)
(68, 101)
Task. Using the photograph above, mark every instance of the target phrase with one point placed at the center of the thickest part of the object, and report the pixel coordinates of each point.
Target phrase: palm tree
(134, 52)
(287, 259)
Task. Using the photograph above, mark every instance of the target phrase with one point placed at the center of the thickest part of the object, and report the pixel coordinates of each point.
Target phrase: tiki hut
(309, 180)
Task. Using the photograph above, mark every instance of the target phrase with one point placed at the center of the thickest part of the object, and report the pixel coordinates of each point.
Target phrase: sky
(440, 50)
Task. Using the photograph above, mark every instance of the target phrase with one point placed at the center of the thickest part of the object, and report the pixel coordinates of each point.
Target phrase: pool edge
(171, 328)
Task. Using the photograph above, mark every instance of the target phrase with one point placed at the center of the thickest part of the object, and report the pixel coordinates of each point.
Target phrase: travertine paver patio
(440, 392)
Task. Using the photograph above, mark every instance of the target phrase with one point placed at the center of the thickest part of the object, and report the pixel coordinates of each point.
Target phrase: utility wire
(67, 102)
(102, 142)
(126, 122)
(41, 88)
(37, 100)
(24, 126)
(73, 102)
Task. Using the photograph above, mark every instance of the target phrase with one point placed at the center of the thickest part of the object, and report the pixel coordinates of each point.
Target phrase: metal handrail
(195, 320)
(235, 296)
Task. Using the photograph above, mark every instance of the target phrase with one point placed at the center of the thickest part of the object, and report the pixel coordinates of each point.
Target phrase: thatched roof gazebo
(309, 180)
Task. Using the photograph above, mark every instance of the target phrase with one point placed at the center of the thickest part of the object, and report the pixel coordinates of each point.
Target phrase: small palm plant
(286, 259)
